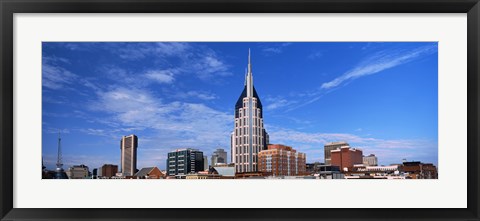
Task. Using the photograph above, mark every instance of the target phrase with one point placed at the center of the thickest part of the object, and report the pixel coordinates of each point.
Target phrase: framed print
(243, 110)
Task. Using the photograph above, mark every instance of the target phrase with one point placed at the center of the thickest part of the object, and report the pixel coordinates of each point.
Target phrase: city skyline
(380, 97)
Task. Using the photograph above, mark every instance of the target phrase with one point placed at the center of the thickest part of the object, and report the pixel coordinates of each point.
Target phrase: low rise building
(328, 147)
(223, 171)
(375, 172)
(328, 172)
(281, 160)
(252, 175)
(419, 170)
(202, 175)
(108, 171)
(181, 162)
(345, 157)
(149, 173)
(78, 172)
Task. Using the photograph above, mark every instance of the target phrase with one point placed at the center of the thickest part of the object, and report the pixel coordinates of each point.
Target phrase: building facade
(108, 170)
(205, 162)
(219, 156)
(78, 172)
(184, 161)
(249, 136)
(332, 146)
(419, 170)
(376, 172)
(281, 160)
(345, 157)
(370, 160)
(128, 148)
(149, 173)
(94, 173)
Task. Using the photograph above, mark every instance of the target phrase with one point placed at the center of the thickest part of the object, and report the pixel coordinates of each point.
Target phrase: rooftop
(336, 143)
(225, 171)
(144, 171)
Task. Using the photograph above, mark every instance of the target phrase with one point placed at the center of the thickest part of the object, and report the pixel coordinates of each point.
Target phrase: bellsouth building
(249, 136)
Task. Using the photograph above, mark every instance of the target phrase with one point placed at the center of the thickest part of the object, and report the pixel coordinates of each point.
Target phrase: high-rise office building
(332, 146)
(219, 156)
(128, 148)
(249, 136)
(281, 160)
(183, 161)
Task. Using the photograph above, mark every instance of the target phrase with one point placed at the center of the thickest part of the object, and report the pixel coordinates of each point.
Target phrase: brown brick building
(109, 170)
(346, 157)
(418, 170)
(281, 160)
(149, 173)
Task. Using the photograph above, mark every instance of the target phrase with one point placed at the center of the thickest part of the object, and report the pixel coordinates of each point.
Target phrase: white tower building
(249, 136)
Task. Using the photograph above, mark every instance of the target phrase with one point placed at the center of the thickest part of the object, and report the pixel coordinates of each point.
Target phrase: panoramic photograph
(240, 110)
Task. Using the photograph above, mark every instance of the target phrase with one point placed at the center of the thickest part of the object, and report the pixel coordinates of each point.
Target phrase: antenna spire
(249, 63)
(59, 153)
(249, 77)
(246, 73)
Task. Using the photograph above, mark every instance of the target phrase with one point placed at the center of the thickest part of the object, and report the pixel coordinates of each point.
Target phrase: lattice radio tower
(59, 153)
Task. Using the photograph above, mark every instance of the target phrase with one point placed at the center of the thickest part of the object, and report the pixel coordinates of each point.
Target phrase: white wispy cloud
(381, 61)
(207, 66)
(56, 77)
(161, 76)
(196, 94)
(140, 50)
(378, 62)
(315, 55)
(169, 59)
(277, 102)
(52, 130)
(80, 46)
(175, 124)
(289, 135)
(172, 48)
(111, 133)
(200, 61)
(275, 48)
(55, 60)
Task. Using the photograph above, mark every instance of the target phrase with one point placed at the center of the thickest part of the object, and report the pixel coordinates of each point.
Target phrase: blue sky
(381, 97)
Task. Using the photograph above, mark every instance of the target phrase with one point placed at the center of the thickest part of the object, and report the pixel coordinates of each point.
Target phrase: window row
(244, 131)
(245, 103)
(244, 168)
(243, 112)
(244, 149)
(244, 159)
(244, 140)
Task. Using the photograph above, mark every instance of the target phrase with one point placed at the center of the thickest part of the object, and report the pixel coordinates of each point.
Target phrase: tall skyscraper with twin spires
(249, 136)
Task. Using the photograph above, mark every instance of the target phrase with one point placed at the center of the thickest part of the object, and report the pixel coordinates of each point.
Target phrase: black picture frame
(10, 7)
